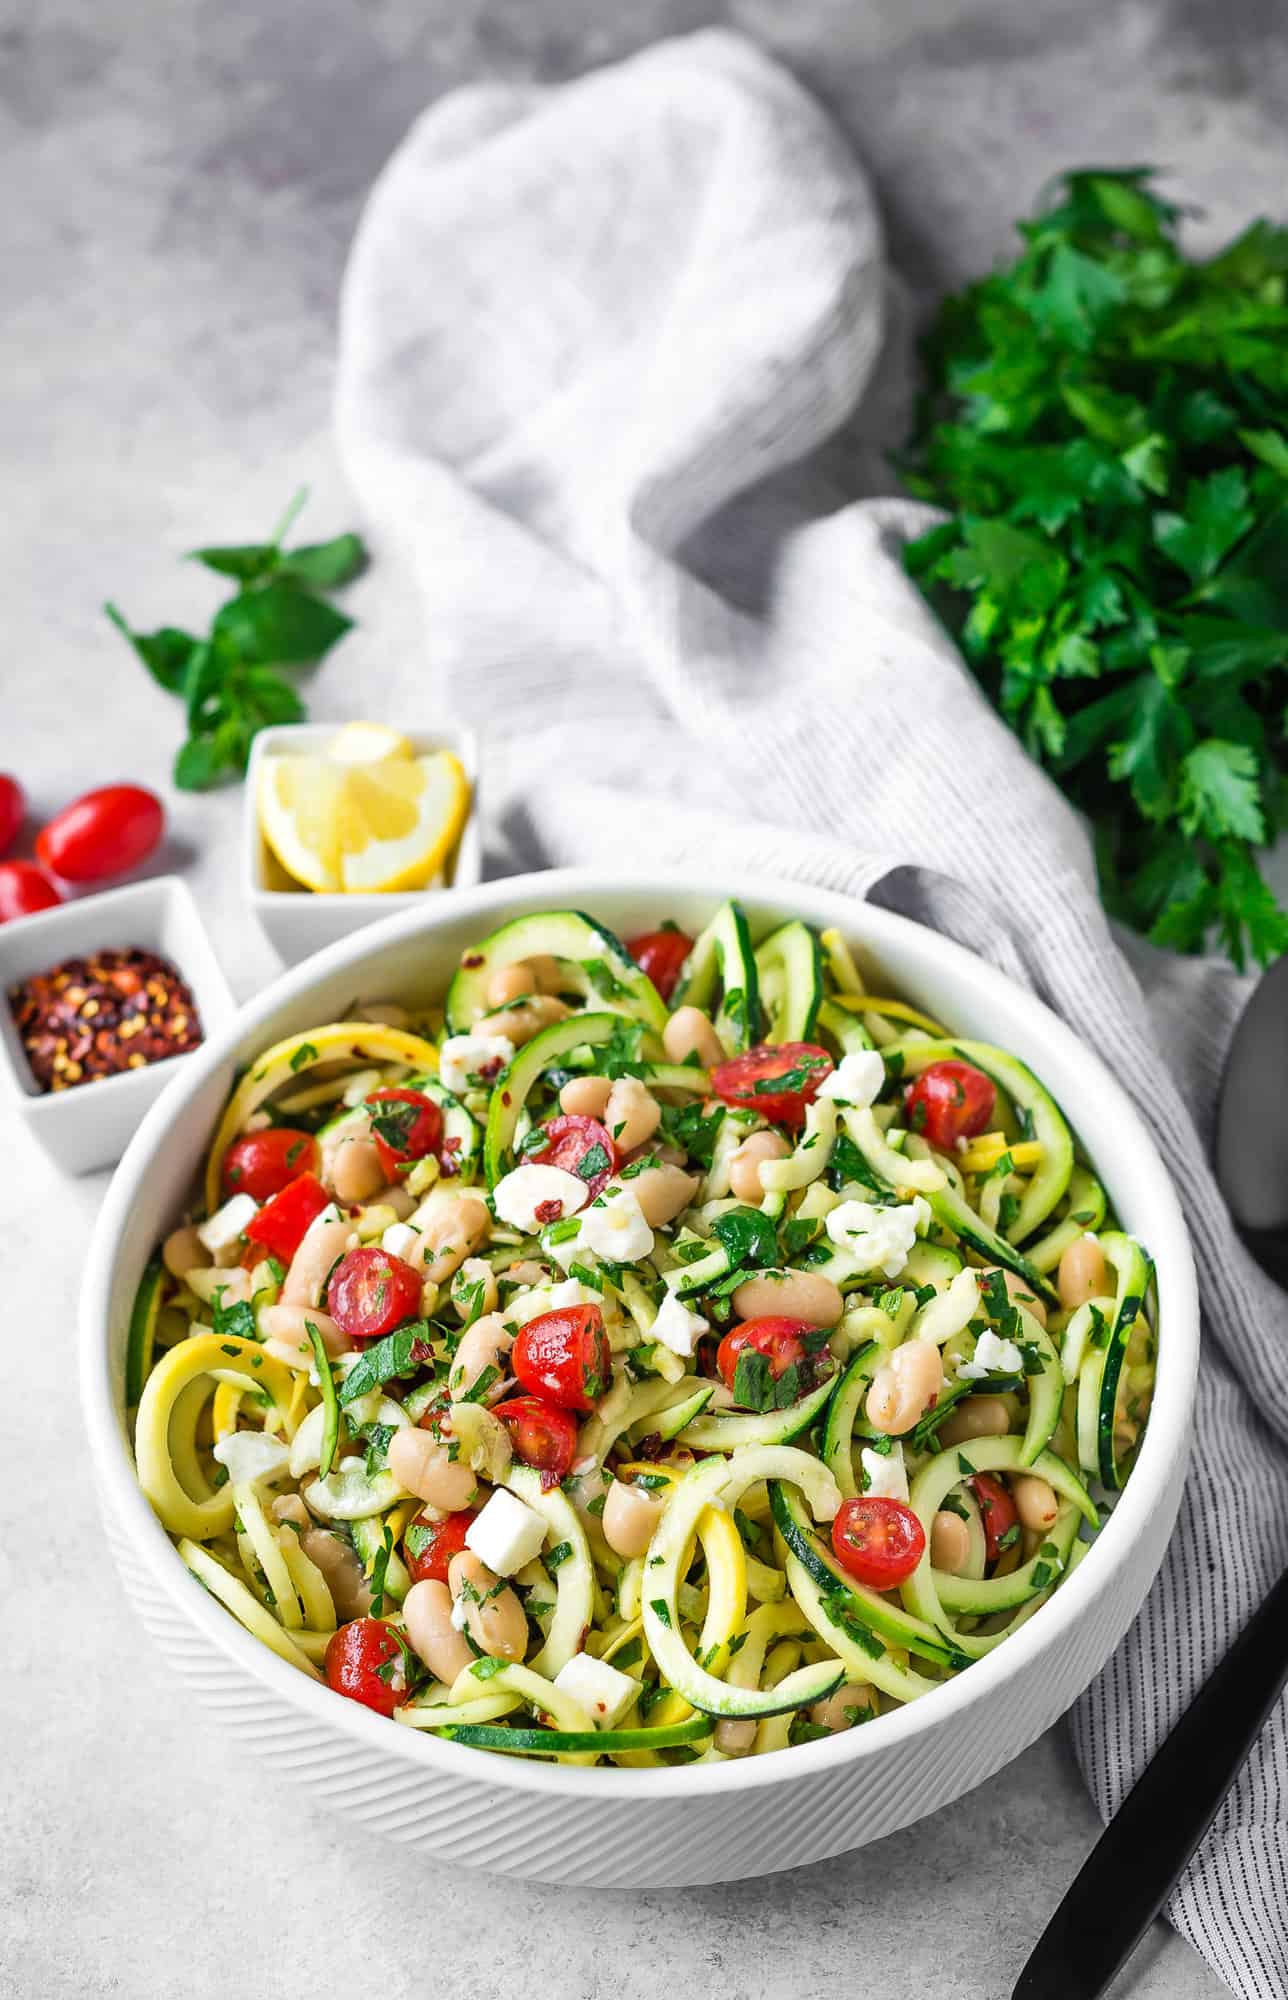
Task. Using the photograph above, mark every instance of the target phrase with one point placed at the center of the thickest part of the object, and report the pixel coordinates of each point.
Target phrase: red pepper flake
(98, 1016)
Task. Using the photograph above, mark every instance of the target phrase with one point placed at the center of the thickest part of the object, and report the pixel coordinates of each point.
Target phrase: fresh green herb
(954, 1504)
(399, 1353)
(880, 1446)
(630, 1655)
(1107, 421)
(692, 1129)
(592, 1162)
(797, 1233)
(484, 1669)
(235, 1322)
(380, 1571)
(1042, 1574)
(661, 1612)
(393, 1120)
(229, 680)
(376, 1438)
(604, 980)
(483, 1381)
(1008, 1209)
(848, 1167)
(1009, 1536)
(558, 1555)
(755, 1388)
(330, 1402)
(305, 1054)
(563, 1232)
(748, 1236)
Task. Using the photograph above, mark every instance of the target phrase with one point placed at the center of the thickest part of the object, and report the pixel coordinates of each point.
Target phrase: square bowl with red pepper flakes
(105, 991)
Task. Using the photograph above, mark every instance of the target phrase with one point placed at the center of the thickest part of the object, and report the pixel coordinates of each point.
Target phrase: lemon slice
(367, 743)
(362, 827)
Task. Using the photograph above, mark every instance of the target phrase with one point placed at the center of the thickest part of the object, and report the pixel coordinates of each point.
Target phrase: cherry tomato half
(581, 1146)
(564, 1356)
(13, 804)
(949, 1101)
(360, 1662)
(777, 1081)
(543, 1435)
(282, 1222)
(24, 889)
(997, 1511)
(102, 834)
(779, 1340)
(878, 1541)
(428, 1545)
(261, 1164)
(371, 1292)
(660, 955)
(406, 1125)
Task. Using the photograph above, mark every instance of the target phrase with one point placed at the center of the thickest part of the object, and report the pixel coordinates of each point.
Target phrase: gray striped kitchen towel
(614, 359)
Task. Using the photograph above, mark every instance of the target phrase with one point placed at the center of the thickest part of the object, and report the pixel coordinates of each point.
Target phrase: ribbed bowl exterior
(608, 1828)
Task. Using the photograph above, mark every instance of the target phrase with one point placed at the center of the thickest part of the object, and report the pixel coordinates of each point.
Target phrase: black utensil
(1130, 1871)
(1252, 1124)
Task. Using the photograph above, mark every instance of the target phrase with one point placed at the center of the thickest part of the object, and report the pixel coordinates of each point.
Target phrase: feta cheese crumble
(878, 1239)
(601, 1688)
(547, 1299)
(221, 1230)
(472, 1062)
(885, 1477)
(250, 1457)
(857, 1079)
(992, 1356)
(531, 1196)
(399, 1238)
(676, 1327)
(613, 1227)
(507, 1533)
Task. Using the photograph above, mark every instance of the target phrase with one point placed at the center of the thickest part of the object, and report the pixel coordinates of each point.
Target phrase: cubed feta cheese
(678, 1328)
(399, 1238)
(221, 1230)
(857, 1079)
(878, 1239)
(992, 1356)
(250, 1457)
(472, 1062)
(530, 1196)
(547, 1299)
(885, 1477)
(602, 1689)
(507, 1533)
(613, 1227)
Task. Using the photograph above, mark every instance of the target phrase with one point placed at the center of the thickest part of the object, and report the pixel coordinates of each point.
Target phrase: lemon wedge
(367, 743)
(383, 824)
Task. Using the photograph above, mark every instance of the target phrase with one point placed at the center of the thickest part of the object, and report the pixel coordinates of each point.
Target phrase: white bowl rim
(1166, 1435)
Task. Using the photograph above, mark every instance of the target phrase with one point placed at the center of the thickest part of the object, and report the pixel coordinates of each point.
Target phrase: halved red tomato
(950, 1101)
(406, 1126)
(579, 1145)
(777, 1080)
(282, 1222)
(997, 1511)
(660, 955)
(429, 1545)
(543, 1435)
(877, 1540)
(371, 1292)
(363, 1661)
(781, 1341)
(564, 1357)
(261, 1164)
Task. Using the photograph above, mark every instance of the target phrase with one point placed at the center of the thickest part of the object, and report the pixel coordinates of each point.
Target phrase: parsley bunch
(229, 679)
(1107, 421)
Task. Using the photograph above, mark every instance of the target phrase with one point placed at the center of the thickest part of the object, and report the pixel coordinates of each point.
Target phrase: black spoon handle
(1126, 1878)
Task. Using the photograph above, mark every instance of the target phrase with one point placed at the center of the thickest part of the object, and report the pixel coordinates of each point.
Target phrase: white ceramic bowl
(298, 921)
(606, 1826)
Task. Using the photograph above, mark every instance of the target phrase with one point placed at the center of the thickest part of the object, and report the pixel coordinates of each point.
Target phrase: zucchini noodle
(855, 1396)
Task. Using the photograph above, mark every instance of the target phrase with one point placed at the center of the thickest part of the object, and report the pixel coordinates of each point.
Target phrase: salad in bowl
(650, 1352)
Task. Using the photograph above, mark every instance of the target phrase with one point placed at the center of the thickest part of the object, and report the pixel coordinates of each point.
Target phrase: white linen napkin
(594, 341)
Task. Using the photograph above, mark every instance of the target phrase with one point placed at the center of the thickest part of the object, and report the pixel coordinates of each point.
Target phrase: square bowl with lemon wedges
(347, 823)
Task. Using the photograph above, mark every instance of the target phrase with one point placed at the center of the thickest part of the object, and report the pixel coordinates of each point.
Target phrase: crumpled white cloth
(610, 366)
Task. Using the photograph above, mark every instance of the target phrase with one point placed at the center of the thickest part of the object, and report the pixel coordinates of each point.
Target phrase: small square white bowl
(90, 1125)
(298, 921)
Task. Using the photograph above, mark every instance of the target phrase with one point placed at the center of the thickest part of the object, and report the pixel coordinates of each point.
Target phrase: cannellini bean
(341, 1572)
(311, 1264)
(585, 1096)
(904, 1388)
(494, 1616)
(949, 1542)
(631, 1513)
(976, 1417)
(234, 1287)
(182, 1251)
(527, 1271)
(400, 1199)
(484, 1345)
(285, 1331)
(836, 1711)
(427, 1614)
(474, 1271)
(547, 972)
(1082, 1274)
(424, 1466)
(687, 1033)
(746, 1162)
(356, 1171)
(526, 1018)
(1019, 1291)
(662, 1192)
(735, 1736)
(509, 982)
(632, 1114)
(451, 1234)
(1035, 1502)
(802, 1295)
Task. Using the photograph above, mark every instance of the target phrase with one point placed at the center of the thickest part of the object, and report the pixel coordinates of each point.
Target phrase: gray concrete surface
(180, 183)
